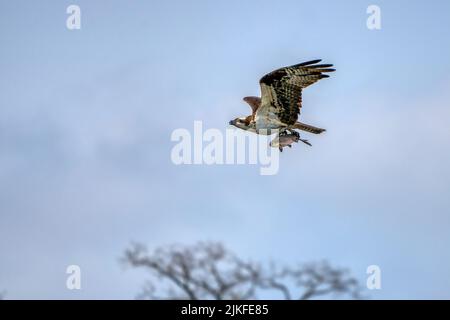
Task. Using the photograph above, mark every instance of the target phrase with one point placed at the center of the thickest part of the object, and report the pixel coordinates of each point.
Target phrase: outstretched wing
(254, 103)
(281, 90)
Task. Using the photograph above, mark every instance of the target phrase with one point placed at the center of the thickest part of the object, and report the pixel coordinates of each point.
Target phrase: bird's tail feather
(308, 128)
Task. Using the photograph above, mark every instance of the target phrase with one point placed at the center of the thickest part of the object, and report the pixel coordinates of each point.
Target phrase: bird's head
(241, 123)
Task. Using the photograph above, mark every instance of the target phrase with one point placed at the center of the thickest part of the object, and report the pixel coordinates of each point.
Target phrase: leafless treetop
(209, 271)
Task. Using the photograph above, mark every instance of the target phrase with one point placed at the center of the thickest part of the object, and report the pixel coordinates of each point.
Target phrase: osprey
(281, 101)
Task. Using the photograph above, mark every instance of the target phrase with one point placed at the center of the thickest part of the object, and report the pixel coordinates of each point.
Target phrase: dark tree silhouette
(209, 271)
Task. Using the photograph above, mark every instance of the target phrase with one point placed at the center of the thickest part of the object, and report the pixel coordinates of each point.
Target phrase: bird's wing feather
(281, 90)
(254, 102)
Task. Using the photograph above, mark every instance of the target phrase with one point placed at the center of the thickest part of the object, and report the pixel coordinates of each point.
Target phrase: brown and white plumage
(281, 98)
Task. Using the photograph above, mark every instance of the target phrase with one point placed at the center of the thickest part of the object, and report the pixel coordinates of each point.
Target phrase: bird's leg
(295, 133)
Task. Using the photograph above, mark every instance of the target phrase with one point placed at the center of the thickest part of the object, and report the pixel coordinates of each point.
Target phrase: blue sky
(86, 118)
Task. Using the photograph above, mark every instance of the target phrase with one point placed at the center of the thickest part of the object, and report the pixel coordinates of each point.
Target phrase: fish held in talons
(284, 141)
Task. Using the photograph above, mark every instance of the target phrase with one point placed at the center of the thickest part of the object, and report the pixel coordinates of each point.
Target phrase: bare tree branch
(209, 271)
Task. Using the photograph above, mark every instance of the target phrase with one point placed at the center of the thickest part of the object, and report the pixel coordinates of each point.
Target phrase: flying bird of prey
(281, 101)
